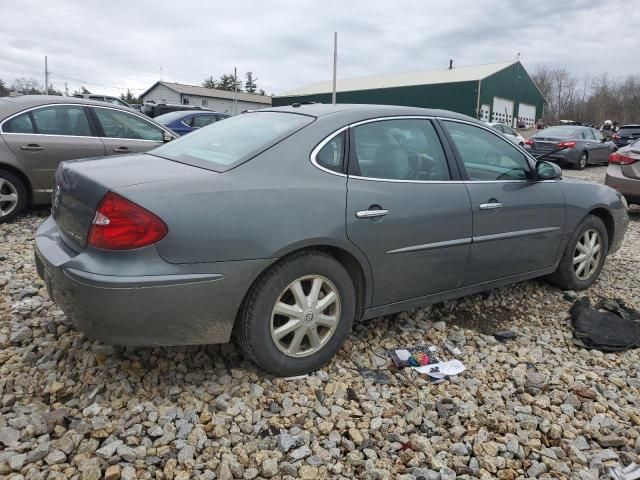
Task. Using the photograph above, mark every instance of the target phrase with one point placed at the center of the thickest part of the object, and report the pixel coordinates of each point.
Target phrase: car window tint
(202, 120)
(497, 127)
(117, 124)
(508, 131)
(399, 150)
(485, 155)
(20, 124)
(597, 135)
(332, 154)
(98, 99)
(61, 120)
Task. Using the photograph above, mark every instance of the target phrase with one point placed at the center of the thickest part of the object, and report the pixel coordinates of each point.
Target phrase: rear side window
(331, 155)
(203, 120)
(398, 150)
(67, 120)
(118, 124)
(487, 156)
(226, 144)
(20, 124)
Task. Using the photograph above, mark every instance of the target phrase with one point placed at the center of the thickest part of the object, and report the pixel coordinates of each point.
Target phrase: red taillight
(566, 145)
(529, 142)
(619, 159)
(120, 224)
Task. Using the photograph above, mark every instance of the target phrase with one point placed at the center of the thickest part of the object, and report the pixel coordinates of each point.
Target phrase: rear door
(517, 222)
(43, 137)
(601, 147)
(126, 132)
(406, 210)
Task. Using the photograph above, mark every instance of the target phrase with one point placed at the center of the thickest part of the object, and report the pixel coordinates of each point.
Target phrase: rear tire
(288, 298)
(582, 161)
(568, 275)
(13, 196)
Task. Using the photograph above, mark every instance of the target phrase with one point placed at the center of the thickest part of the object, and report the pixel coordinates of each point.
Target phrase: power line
(94, 84)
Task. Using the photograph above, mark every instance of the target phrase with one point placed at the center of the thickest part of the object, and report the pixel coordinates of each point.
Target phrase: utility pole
(335, 66)
(235, 91)
(66, 89)
(46, 76)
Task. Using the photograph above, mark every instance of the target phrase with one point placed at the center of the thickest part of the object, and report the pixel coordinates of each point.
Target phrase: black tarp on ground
(610, 326)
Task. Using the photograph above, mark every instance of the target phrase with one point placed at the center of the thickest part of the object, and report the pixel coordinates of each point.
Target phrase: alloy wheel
(305, 316)
(586, 256)
(583, 160)
(8, 197)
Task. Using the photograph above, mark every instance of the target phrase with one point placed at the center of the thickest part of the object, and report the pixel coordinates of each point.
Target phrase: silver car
(508, 132)
(285, 225)
(39, 132)
(575, 145)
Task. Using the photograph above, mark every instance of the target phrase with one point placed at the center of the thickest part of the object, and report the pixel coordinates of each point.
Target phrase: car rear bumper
(174, 308)
(629, 187)
(569, 156)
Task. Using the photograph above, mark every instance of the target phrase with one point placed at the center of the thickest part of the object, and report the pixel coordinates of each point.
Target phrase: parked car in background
(626, 135)
(623, 172)
(103, 98)
(267, 225)
(185, 121)
(156, 109)
(581, 145)
(38, 132)
(508, 132)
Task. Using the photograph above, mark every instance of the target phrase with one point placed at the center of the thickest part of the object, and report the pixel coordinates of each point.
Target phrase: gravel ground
(536, 406)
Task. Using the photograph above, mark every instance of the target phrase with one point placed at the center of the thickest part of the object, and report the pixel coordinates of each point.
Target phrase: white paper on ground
(442, 369)
(403, 354)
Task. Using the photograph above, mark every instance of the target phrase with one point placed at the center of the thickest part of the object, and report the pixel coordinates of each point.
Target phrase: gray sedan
(285, 225)
(38, 132)
(572, 144)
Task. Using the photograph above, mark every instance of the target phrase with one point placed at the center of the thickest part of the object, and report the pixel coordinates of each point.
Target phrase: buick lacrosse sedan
(283, 226)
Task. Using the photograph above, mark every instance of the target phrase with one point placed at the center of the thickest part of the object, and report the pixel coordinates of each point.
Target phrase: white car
(508, 132)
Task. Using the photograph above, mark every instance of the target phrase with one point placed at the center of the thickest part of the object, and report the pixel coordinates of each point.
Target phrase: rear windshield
(629, 131)
(223, 145)
(561, 132)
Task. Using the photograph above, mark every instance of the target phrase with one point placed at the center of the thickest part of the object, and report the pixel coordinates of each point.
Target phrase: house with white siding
(213, 99)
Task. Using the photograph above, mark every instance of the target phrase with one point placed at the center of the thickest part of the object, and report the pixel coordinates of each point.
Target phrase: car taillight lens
(566, 145)
(529, 142)
(120, 224)
(620, 159)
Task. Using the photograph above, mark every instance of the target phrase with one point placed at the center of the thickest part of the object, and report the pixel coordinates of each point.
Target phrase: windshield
(170, 117)
(561, 132)
(223, 145)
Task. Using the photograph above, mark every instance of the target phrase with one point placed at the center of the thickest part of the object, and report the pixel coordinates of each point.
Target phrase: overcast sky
(288, 44)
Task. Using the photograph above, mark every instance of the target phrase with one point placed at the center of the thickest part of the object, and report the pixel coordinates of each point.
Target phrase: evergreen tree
(210, 83)
(250, 85)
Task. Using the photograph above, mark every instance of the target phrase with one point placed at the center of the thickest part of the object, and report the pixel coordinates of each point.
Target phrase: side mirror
(548, 171)
(167, 137)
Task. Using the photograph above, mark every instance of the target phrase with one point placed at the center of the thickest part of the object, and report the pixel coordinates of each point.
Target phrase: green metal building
(497, 92)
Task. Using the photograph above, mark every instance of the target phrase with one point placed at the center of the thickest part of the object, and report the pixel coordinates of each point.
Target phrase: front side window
(597, 135)
(226, 144)
(61, 120)
(398, 150)
(20, 124)
(119, 124)
(331, 155)
(487, 156)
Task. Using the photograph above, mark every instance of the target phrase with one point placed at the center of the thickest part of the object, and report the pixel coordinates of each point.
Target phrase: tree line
(588, 99)
(230, 82)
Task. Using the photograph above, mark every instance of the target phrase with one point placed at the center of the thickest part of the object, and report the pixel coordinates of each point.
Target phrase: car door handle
(32, 147)
(372, 213)
(490, 206)
(121, 150)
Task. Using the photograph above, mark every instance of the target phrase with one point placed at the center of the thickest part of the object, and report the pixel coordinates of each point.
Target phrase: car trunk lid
(543, 145)
(81, 185)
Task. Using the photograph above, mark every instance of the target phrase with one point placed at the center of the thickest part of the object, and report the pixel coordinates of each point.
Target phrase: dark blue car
(183, 122)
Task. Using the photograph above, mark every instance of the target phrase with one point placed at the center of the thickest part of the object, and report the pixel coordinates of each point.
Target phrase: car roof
(11, 105)
(366, 110)
(631, 125)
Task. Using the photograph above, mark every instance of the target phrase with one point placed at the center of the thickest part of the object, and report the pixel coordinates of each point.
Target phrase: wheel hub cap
(305, 316)
(587, 254)
(8, 197)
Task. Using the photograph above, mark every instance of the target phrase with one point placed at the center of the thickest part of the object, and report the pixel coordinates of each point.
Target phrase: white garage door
(527, 113)
(502, 110)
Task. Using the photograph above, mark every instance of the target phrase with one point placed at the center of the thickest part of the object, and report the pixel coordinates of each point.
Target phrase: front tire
(13, 196)
(298, 314)
(584, 256)
(582, 161)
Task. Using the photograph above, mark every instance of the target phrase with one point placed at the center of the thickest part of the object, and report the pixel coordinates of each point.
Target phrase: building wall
(160, 94)
(512, 83)
(459, 97)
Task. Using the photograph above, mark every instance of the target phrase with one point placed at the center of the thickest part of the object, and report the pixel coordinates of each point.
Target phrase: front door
(123, 132)
(601, 148)
(404, 211)
(517, 222)
(43, 137)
